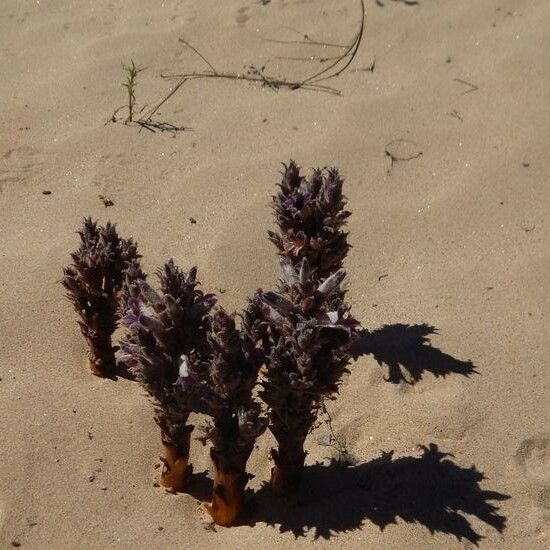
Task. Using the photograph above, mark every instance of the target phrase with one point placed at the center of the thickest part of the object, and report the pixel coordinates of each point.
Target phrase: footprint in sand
(242, 17)
(19, 164)
(543, 500)
(539, 514)
(2, 515)
(533, 457)
(107, 166)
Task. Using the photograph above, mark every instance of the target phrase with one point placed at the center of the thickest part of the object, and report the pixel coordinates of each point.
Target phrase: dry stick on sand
(149, 124)
(93, 282)
(339, 65)
(472, 87)
(395, 157)
(345, 458)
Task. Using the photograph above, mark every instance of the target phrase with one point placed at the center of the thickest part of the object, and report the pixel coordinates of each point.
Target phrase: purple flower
(131, 318)
(126, 352)
(136, 313)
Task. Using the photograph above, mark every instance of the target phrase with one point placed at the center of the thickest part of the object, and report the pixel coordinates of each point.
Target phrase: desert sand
(449, 270)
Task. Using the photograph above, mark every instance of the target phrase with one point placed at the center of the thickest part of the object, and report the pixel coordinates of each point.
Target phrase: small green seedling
(131, 81)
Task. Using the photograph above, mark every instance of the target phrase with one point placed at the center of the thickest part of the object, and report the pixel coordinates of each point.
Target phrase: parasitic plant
(310, 332)
(309, 326)
(228, 378)
(166, 329)
(310, 215)
(93, 281)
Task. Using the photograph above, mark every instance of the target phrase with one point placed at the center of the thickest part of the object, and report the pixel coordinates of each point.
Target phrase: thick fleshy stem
(227, 494)
(288, 459)
(101, 357)
(176, 468)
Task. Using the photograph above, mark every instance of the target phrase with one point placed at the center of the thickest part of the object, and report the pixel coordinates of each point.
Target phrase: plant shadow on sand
(407, 347)
(430, 490)
(200, 486)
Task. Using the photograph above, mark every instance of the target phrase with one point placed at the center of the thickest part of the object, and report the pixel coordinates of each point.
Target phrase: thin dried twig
(319, 58)
(197, 52)
(473, 87)
(307, 41)
(394, 158)
(174, 90)
(154, 125)
(274, 83)
(350, 52)
(345, 457)
(309, 83)
(369, 69)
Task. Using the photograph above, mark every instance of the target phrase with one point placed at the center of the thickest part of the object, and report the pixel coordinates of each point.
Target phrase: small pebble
(46, 192)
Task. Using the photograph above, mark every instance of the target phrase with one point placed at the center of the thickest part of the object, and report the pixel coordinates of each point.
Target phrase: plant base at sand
(286, 473)
(229, 377)
(175, 461)
(101, 358)
(227, 494)
(311, 331)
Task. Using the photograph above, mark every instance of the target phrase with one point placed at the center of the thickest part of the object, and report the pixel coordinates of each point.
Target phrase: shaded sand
(449, 267)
